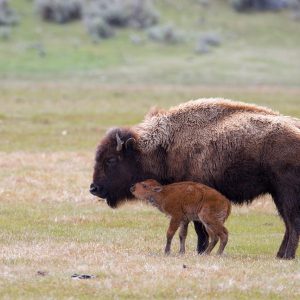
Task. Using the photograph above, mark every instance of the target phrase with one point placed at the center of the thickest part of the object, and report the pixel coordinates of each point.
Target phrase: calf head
(146, 190)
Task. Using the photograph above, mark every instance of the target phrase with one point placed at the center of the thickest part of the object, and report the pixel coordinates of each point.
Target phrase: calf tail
(228, 210)
(222, 215)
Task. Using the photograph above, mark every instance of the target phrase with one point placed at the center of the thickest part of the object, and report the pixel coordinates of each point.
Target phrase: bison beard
(241, 150)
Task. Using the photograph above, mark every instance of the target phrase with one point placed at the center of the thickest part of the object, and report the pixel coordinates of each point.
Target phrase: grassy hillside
(260, 48)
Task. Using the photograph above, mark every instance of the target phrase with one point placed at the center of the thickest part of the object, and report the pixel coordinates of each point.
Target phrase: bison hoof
(279, 256)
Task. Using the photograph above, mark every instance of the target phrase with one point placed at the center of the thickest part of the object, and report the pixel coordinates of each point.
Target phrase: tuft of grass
(59, 11)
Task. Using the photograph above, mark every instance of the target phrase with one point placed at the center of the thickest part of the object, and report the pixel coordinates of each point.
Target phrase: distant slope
(261, 48)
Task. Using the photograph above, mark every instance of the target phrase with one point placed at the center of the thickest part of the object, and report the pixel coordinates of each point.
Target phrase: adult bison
(239, 149)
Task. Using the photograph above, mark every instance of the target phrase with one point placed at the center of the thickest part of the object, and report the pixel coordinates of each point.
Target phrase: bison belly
(243, 181)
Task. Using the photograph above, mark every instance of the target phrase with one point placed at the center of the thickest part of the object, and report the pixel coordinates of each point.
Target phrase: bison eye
(111, 161)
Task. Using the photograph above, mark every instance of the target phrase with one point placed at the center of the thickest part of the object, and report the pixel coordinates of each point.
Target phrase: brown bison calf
(188, 201)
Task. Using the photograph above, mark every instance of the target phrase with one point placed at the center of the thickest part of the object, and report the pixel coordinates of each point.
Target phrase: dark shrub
(59, 11)
(207, 41)
(98, 28)
(5, 32)
(122, 13)
(295, 7)
(202, 48)
(142, 14)
(259, 5)
(136, 39)
(8, 16)
(111, 12)
(165, 34)
(101, 15)
(211, 39)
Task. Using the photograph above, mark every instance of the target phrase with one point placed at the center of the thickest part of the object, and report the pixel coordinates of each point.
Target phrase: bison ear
(157, 189)
(130, 144)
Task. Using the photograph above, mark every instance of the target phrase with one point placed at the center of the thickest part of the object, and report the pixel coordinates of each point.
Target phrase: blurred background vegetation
(198, 42)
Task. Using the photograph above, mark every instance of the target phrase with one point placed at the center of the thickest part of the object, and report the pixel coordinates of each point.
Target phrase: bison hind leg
(202, 237)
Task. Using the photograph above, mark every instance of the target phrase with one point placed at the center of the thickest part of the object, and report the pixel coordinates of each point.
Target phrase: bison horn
(119, 142)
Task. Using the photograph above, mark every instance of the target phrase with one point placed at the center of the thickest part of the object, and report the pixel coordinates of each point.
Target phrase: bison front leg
(202, 237)
(174, 224)
(288, 209)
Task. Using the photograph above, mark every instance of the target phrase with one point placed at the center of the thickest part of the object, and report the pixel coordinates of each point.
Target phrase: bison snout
(97, 190)
(132, 189)
(93, 189)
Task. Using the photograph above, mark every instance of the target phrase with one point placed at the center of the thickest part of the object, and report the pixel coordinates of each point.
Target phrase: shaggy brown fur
(241, 150)
(184, 202)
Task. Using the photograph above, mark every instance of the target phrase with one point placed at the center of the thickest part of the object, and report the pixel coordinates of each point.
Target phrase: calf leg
(213, 239)
(202, 237)
(182, 236)
(174, 224)
(223, 239)
(215, 229)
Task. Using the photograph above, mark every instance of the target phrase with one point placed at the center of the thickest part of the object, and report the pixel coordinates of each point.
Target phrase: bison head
(117, 166)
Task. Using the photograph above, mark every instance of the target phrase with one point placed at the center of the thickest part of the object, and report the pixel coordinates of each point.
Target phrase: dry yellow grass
(50, 223)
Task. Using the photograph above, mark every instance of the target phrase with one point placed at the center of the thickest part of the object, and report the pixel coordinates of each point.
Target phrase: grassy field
(50, 223)
(54, 110)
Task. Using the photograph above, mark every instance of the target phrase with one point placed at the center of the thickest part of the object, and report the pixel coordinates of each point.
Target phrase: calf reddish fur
(241, 150)
(188, 201)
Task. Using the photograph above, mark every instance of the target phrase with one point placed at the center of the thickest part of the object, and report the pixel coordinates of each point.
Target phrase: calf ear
(130, 144)
(157, 189)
